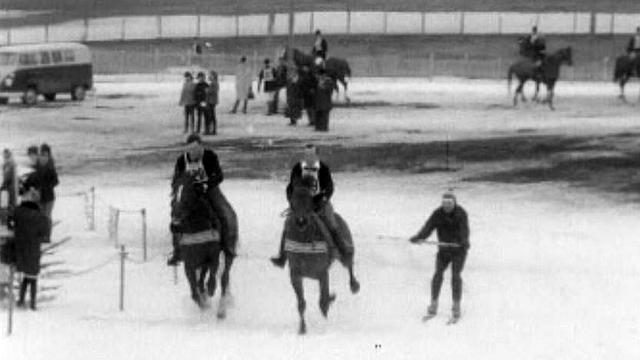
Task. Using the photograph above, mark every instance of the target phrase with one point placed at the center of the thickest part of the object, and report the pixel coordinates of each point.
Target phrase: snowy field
(552, 272)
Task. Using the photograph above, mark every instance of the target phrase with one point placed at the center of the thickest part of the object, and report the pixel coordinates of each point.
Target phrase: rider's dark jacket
(634, 44)
(533, 48)
(322, 175)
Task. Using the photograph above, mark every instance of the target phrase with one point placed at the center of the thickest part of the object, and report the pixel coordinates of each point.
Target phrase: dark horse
(625, 68)
(310, 251)
(191, 222)
(337, 68)
(548, 74)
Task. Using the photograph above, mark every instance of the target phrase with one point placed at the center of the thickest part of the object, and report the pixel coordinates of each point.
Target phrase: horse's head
(187, 189)
(301, 200)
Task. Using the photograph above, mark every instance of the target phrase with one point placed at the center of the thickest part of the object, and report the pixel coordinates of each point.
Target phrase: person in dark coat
(452, 226)
(187, 100)
(320, 46)
(31, 226)
(200, 96)
(308, 86)
(9, 179)
(633, 46)
(311, 165)
(323, 104)
(48, 181)
(268, 82)
(294, 98)
(211, 123)
(197, 158)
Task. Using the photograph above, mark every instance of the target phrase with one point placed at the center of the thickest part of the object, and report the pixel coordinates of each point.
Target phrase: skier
(198, 159)
(451, 224)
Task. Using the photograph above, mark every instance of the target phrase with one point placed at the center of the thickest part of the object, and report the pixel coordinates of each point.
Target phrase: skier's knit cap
(194, 138)
(449, 195)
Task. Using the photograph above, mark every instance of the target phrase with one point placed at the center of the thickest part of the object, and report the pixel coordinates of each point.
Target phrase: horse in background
(337, 68)
(625, 68)
(310, 250)
(197, 231)
(548, 74)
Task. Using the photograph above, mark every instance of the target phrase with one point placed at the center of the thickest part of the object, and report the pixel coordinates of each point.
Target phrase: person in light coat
(243, 85)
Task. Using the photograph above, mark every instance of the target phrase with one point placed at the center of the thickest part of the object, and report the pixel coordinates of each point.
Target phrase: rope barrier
(72, 274)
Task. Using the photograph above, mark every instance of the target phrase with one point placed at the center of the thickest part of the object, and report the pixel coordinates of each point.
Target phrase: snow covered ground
(551, 274)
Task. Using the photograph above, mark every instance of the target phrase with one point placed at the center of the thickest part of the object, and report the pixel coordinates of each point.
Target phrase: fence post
(605, 62)
(11, 301)
(123, 256)
(432, 65)
(144, 234)
(92, 217)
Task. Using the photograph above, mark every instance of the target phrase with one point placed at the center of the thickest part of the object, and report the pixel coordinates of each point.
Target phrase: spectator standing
(211, 123)
(243, 85)
(200, 95)
(268, 75)
(48, 181)
(323, 104)
(9, 182)
(187, 99)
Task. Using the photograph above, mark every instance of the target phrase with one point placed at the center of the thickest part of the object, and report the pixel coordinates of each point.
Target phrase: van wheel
(50, 97)
(30, 97)
(78, 93)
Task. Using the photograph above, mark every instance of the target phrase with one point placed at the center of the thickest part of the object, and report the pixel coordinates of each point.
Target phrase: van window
(69, 56)
(7, 59)
(28, 59)
(45, 58)
(56, 56)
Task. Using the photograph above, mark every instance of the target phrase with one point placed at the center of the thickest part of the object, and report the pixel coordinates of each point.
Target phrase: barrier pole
(92, 219)
(144, 234)
(11, 301)
(123, 256)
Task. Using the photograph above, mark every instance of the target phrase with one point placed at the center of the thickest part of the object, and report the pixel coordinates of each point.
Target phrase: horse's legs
(518, 92)
(535, 95)
(190, 272)
(228, 262)
(354, 284)
(326, 298)
(296, 282)
(550, 87)
(344, 83)
(213, 270)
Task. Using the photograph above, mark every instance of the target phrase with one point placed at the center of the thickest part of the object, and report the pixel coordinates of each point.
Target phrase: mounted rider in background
(633, 46)
(533, 46)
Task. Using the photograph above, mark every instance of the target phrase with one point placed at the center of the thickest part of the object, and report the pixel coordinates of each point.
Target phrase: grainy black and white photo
(319, 179)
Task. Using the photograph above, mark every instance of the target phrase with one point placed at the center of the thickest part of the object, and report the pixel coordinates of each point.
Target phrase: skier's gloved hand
(415, 239)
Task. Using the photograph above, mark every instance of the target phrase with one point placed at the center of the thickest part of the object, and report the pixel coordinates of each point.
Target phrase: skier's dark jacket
(325, 182)
(31, 227)
(211, 167)
(451, 227)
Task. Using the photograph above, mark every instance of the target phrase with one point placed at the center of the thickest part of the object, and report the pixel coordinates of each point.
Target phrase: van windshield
(7, 59)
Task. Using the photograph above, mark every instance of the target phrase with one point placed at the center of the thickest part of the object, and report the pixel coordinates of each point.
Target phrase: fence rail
(112, 62)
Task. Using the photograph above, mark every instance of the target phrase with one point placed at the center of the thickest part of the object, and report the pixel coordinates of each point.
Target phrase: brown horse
(548, 74)
(199, 239)
(626, 67)
(310, 251)
(337, 68)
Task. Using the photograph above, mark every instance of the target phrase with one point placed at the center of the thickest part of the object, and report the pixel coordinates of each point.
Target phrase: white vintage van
(27, 71)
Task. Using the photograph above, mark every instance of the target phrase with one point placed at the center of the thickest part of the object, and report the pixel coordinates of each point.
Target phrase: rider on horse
(534, 47)
(633, 46)
(323, 190)
(204, 164)
(319, 46)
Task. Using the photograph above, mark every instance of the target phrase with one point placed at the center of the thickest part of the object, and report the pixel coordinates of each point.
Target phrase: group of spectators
(30, 220)
(199, 99)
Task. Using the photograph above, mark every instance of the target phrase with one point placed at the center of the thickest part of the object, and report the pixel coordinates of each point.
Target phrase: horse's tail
(509, 76)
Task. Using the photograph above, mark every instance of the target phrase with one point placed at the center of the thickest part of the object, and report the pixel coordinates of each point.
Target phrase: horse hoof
(325, 305)
(302, 330)
(355, 286)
